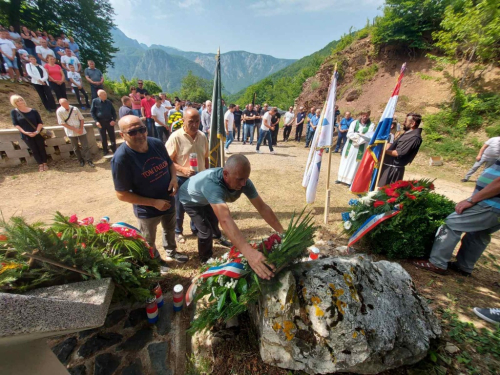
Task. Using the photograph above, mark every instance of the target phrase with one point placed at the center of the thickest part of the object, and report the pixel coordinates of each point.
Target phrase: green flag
(217, 129)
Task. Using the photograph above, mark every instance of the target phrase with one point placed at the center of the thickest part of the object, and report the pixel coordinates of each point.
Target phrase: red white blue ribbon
(232, 269)
(191, 293)
(371, 223)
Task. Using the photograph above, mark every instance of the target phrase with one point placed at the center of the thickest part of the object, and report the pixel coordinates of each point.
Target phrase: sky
(280, 28)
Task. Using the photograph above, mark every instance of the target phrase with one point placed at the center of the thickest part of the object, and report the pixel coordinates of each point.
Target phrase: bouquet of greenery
(231, 285)
(71, 250)
(411, 232)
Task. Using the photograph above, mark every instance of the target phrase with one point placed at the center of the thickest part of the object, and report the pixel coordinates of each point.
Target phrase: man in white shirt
(76, 83)
(264, 131)
(159, 115)
(8, 50)
(72, 120)
(70, 59)
(206, 117)
(488, 155)
(287, 123)
(229, 125)
(43, 51)
(165, 102)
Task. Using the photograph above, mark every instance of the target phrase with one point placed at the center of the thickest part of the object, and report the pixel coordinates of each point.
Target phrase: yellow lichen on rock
(315, 300)
(319, 312)
(288, 327)
(277, 327)
(354, 335)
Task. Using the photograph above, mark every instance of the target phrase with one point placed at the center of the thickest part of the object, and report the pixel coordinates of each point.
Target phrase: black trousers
(106, 128)
(94, 89)
(286, 132)
(298, 132)
(46, 96)
(207, 224)
(2, 66)
(37, 147)
(237, 125)
(59, 90)
(20, 65)
(77, 92)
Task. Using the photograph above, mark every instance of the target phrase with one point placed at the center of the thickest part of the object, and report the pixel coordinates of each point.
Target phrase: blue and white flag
(323, 138)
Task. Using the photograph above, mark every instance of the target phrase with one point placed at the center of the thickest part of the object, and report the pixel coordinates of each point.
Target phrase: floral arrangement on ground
(229, 285)
(419, 212)
(71, 250)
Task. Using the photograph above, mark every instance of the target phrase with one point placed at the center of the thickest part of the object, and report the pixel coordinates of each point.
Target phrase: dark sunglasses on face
(139, 83)
(134, 132)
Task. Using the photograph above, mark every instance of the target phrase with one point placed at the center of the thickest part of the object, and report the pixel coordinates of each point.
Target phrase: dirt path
(89, 192)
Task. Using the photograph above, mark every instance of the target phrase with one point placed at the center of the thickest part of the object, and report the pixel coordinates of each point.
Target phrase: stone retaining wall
(14, 152)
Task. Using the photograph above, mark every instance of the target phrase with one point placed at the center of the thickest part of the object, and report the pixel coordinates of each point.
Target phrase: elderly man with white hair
(206, 117)
(71, 118)
(104, 115)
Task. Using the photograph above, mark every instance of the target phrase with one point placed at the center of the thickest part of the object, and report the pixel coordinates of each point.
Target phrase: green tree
(196, 89)
(470, 31)
(88, 21)
(122, 87)
(409, 23)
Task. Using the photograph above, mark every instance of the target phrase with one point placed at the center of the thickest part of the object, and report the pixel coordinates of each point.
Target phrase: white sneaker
(227, 152)
(273, 152)
(259, 152)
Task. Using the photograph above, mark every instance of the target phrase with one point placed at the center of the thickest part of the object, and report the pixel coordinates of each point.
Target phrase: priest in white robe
(358, 136)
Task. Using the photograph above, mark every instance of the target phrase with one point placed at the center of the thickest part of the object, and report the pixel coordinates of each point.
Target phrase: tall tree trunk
(14, 14)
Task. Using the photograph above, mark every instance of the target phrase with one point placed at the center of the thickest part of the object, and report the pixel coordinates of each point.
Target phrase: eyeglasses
(134, 132)
(139, 83)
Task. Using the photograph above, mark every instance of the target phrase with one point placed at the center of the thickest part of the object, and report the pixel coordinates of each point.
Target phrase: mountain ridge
(239, 68)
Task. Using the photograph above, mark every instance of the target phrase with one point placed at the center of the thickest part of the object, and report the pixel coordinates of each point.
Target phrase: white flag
(323, 138)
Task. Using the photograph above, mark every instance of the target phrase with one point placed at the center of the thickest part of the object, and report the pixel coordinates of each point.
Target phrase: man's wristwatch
(37, 132)
(470, 200)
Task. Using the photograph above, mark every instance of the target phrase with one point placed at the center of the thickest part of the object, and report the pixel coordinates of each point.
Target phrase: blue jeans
(341, 140)
(265, 134)
(161, 133)
(137, 112)
(230, 139)
(150, 124)
(179, 210)
(248, 132)
(309, 137)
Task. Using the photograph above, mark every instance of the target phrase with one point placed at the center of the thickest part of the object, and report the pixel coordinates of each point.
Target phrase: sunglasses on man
(134, 132)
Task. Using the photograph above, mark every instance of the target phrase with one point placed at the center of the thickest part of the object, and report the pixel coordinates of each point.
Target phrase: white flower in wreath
(368, 198)
(213, 292)
(347, 225)
(352, 215)
(225, 256)
(221, 280)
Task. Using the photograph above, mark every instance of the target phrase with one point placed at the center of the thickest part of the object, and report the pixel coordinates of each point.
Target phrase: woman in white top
(39, 79)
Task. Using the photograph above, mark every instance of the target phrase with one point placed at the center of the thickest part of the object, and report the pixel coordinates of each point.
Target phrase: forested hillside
(282, 87)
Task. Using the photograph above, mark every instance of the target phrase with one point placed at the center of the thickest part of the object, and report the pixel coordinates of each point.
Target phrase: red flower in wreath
(234, 253)
(412, 197)
(73, 219)
(59, 234)
(391, 200)
(378, 204)
(431, 186)
(417, 188)
(87, 221)
(102, 228)
(3, 237)
(391, 193)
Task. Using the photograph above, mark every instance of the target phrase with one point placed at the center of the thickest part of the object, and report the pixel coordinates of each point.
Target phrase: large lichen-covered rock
(345, 315)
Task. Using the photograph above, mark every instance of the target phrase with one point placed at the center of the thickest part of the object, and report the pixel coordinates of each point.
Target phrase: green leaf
(433, 356)
(222, 301)
(242, 286)
(234, 298)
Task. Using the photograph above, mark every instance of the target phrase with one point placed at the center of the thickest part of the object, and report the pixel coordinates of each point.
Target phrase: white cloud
(289, 6)
(189, 3)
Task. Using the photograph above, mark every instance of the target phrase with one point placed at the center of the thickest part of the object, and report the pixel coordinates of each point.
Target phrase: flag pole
(380, 165)
(221, 140)
(327, 193)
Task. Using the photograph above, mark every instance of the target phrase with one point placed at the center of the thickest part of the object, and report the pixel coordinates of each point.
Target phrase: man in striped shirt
(477, 216)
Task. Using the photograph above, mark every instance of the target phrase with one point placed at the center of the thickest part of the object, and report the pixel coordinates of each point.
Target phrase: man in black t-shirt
(144, 175)
(140, 89)
(237, 120)
(249, 116)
